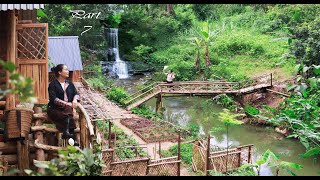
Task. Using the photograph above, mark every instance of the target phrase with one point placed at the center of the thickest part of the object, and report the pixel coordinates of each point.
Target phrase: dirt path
(100, 107)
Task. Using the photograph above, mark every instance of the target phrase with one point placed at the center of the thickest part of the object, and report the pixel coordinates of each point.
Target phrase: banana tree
(207, 40)
(198, 44)
(275, 161)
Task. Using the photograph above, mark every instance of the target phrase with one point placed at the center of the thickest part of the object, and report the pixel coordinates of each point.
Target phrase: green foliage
(142, 53)
(122, 140)
(184, 70)
(62, 23)
(226, 101)
(23, 87)
(251, 110)
(312, 152)
(72, 162)
(114, 20)
(186, 152)
(300, 114)
(306, 45)
(117, 94)
(147, 25)
(40, 13)
(145, 112)
(275, 161)
(243, 170)
(194, 129)
(228, 118)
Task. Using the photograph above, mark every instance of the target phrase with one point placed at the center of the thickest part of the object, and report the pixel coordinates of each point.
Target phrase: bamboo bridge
(197, 88)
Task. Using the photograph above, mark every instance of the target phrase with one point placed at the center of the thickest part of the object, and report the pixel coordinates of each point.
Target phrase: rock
(283, 131)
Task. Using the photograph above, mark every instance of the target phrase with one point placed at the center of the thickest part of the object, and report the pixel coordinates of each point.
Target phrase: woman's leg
(63, 118)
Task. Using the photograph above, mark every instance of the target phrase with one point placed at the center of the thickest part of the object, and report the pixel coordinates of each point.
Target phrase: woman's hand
(74, 104)
(69, 104)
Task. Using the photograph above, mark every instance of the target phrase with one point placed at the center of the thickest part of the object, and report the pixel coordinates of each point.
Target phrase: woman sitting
(63, 97)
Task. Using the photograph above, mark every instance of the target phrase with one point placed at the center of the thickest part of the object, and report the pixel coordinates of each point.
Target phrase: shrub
(117, 94)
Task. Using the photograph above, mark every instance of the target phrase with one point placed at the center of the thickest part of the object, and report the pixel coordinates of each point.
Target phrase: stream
(187, 110)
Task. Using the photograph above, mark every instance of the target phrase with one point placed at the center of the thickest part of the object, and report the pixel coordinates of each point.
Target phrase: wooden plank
(162, 163)
(31, 61)
(35, 78)
(46, 73)
(32, 25)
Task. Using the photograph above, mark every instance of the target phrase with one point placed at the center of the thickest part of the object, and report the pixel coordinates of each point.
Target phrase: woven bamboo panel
(163, 167)
(107, 156)
(218, 159)
(198, 157)
(221, 162)
(163, 170)
(130, 168)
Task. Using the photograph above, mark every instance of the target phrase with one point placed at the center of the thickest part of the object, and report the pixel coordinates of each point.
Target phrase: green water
(191, 110)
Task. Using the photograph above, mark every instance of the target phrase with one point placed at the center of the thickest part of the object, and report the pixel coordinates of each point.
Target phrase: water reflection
(191, 110)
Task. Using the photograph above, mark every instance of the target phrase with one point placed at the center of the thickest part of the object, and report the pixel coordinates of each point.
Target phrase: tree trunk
(206, 57)
(197, 64)
(170, 10)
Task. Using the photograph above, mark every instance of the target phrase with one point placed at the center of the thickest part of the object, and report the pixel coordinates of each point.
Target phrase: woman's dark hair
(57, 69)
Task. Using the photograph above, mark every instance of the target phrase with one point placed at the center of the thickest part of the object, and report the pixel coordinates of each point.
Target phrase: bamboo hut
(25, 42)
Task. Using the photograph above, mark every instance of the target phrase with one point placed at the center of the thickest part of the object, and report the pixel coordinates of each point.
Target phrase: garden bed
(149, 131)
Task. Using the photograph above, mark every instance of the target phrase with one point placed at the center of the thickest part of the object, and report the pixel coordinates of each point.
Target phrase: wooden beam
(2, 104)
(40, 116)
(11, 55)
(8, 148)
(46, 129)
(11, 159)
(286, 95)
(47, 147)
(30, 61)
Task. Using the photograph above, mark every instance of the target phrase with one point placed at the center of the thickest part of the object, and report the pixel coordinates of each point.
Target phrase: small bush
(117, 94)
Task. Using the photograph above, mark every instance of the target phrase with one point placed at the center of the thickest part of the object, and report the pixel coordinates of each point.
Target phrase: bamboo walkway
(198, 88)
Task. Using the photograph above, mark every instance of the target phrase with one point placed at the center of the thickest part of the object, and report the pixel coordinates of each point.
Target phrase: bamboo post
(136, 151)
(38, 135)
(109, 133)
(159, 102)
(207, 157)
(249, 155)
(23, 155)
(159, 149)
(82, 130)
(179, 153)
(271, 78)
(239, 160)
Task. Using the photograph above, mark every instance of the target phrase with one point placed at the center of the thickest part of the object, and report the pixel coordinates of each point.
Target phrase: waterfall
(119, 67)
